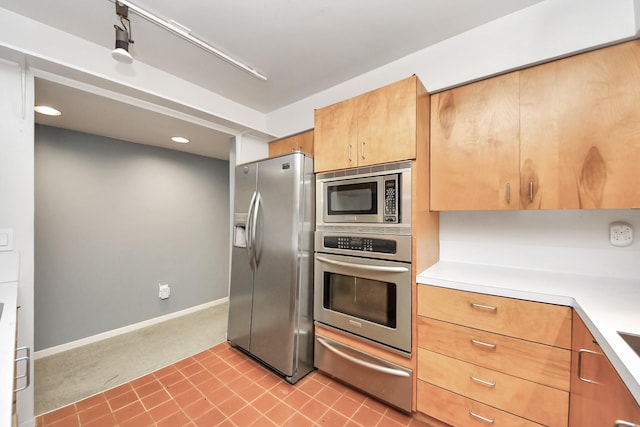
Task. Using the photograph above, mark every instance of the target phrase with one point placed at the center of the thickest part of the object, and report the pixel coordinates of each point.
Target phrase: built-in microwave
(375, 194)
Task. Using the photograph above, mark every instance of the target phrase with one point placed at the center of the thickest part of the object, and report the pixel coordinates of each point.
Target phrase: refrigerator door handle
(254, 227)
(249, 228)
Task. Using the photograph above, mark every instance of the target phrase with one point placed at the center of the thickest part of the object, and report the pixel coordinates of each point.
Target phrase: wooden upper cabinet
(598, 395)
(475, 146)
(387, 123)
(335, 134)
(373, 128)
(580, 131)
(302, 141)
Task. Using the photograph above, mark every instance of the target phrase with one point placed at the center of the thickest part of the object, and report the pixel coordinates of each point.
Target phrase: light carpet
(76, 374)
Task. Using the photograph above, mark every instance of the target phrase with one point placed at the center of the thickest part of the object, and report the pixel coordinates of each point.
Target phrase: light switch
(6, 239)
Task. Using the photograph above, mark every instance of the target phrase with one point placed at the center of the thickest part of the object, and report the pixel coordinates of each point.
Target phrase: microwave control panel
(385, 246)
(391, 200)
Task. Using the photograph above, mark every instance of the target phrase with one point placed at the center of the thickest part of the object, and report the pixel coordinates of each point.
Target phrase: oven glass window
(353, 199)
(367, 299)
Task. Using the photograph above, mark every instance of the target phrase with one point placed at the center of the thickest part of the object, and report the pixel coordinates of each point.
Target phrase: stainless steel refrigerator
(271, 293)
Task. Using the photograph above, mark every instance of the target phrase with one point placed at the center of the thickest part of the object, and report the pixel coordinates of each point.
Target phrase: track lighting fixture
(123, 35)
(185, 33)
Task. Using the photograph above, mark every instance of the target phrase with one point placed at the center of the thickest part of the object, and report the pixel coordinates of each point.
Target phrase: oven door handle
(372, 366)
(363, 266)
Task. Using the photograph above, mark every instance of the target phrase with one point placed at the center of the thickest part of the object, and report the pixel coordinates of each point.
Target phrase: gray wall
(112, 220)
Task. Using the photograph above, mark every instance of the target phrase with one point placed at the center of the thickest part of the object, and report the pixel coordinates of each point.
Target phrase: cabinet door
(475, 146)
(580, 131)
(298, 142)
(387, 123)
(602, 398)
(335, 137)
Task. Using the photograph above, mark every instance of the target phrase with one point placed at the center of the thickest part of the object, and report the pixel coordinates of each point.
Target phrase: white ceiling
(303, 46)
(100, 115)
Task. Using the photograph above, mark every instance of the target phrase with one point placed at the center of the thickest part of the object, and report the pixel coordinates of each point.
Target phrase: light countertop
(606, 305)
(9, 263)
(8, 296)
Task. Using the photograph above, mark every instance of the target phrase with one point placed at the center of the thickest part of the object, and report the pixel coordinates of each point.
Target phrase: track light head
(121, 52)
(123, 37)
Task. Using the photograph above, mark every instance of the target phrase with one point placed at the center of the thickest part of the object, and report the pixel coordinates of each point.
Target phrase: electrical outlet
(620, 234)
(164, 290)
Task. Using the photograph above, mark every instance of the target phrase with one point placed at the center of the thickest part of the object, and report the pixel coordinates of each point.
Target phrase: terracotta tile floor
(223, 387)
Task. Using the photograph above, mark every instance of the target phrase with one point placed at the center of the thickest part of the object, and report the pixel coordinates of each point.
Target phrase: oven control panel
(385, 246)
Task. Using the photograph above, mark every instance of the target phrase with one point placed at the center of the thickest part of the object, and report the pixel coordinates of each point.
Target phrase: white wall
(16, 199)
(546, 30)
(569, 241)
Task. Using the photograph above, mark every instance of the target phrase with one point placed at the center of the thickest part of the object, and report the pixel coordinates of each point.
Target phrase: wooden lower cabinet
(599, 398)
(457, 410)
(544, 323)
(536, 402)
(490, 360)
(525, 359)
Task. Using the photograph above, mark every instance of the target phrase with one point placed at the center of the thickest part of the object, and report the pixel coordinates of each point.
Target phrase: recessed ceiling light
(179, 139)
(48, 111)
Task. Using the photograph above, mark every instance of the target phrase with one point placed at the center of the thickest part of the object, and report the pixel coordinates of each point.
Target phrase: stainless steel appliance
(363, 286)
(362, 279)
(270, 298)
(378, 194)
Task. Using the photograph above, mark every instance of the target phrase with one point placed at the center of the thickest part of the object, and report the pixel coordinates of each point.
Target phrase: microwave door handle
(381, 268)
(372, 366)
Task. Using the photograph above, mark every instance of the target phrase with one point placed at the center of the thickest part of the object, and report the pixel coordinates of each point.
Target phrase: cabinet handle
(483, 382)
(483, 307)
(482, 344)
(621, 423)
(531, 191)
(508, 192)
(27, 374)
(362, 150)
(580, 353)
(349, 152)
(480, 417)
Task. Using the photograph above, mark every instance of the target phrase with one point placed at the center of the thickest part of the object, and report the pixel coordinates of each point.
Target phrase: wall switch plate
(620, 234)
(6, 239)
(164, 290)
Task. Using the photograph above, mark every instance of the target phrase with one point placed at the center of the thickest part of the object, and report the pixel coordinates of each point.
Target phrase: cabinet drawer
(535, 362)
(536, 402)
(458, 410)
(533, 321)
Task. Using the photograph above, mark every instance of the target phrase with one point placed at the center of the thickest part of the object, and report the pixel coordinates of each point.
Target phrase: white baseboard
(129, 328)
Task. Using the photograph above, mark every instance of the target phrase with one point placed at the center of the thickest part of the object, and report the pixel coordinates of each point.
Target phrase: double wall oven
(362, 278)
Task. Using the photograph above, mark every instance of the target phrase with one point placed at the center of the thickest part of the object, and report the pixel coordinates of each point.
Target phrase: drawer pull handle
(483, 307)
(483, 382)
(483, 344)
(480, 417)
(27, 374)
(581, 352)
(621, 423)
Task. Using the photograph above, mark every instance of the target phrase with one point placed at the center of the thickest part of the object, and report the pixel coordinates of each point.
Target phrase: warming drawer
(380, 378)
